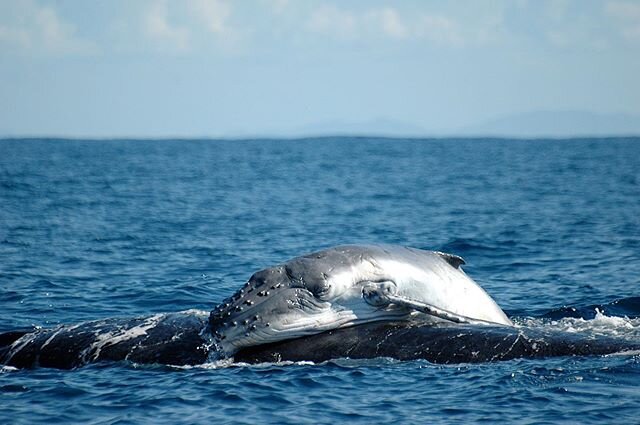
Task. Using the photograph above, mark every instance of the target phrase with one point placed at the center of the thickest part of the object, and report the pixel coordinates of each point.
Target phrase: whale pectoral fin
(434, 311)
(428, 309)
(384, 293)
(380, 294)
(454, 260)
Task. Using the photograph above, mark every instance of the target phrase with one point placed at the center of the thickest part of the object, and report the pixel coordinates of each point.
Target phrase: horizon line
(321, 136)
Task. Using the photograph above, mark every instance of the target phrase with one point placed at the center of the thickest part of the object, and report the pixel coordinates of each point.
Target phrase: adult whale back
(180, 339)
(441, 343)
(165, 338)
(348, 286)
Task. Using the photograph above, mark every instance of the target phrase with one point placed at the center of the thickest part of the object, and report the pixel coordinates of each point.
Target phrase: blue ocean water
(114, 228)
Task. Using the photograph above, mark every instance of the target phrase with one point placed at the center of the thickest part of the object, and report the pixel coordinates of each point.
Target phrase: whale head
(339, 287)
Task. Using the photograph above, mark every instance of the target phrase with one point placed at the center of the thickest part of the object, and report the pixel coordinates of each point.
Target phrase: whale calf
(347, 286)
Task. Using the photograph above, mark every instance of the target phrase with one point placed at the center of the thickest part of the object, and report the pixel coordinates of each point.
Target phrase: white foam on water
(6, 369)
(280, 363)
(230, 362)
(195, 312)
(215, 364)
(600, 325)
(625, 353)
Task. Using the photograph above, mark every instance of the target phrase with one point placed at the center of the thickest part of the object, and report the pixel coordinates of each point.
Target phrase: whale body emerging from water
(180, 339)
(348, 286)
(348, 301)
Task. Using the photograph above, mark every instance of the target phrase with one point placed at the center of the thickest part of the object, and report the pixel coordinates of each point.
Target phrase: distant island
(536, 124)
(556, 124)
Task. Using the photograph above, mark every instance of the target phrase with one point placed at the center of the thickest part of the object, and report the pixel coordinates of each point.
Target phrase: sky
(198, 68)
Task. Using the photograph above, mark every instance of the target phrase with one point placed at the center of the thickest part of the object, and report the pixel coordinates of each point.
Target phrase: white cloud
(278, 7)
(214, 14)
(204, 25)
(559, 38)
(624, 10)
(557, 10)
(628, 16)
(388, 20)
(561, 24)
(15, 36)
(344, 24)
(330, 20)
(158, 28)
(179, 26)
(30, 26)
(390, 23)
(440, 30)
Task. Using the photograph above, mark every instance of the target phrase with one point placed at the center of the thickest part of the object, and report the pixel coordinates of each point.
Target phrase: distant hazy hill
(377, 127)
(530, 124)
(557, 124)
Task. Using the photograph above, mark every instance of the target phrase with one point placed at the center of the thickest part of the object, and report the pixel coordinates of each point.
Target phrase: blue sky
(274, 67)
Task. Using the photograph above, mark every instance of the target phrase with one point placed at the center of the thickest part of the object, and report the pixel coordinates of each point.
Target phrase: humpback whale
(180, 339)
(348, 301)
(347, 286)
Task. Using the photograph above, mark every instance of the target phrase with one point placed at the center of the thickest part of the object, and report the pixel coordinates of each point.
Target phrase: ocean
(92, 229)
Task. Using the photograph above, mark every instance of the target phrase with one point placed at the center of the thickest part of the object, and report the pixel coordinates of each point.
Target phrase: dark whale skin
(175, 339)
(182, 339)
(442, 343)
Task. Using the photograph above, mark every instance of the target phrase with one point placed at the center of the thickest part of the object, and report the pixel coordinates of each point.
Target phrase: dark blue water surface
(94, 229)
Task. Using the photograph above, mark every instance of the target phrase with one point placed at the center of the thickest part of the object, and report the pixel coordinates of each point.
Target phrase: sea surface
(92, 229)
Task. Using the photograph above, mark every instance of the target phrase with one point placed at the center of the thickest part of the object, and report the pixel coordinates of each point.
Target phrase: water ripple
(92, 229)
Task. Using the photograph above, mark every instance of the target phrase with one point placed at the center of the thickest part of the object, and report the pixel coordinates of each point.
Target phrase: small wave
(5, 369)
(343, 362)
(230, 363)
(601, 325)
(624, 307)
(215, 364)
(625, 353)
(271, 364)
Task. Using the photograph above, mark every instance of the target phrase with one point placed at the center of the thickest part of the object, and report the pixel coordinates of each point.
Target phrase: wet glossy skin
(180, 339)
(337, 288)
